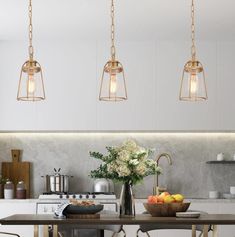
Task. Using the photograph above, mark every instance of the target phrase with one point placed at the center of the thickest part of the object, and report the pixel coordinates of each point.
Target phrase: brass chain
(113, 50)
(193, 48)
(30, 30)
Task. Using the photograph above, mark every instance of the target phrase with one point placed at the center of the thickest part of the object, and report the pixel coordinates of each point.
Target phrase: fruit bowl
(93, 209)
(166, 209)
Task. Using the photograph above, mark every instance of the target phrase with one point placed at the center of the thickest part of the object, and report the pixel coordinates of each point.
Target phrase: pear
(169, 199)
(178, 197)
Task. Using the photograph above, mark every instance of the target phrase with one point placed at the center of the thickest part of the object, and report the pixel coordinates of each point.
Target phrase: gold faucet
(156, 178)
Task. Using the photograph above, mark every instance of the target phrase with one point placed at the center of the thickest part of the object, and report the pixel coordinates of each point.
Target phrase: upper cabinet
(139, 111)
(72, 72)
(226, 86)
(173, 114)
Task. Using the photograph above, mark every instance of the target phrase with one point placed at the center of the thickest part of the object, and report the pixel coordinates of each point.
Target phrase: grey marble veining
(189, 173)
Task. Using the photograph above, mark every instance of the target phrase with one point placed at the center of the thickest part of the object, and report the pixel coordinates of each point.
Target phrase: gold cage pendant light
(113, 85)
(31, 86)
(193, 84)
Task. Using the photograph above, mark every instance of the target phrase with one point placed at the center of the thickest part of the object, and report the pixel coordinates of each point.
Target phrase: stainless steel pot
(57, 183)
(103, 186)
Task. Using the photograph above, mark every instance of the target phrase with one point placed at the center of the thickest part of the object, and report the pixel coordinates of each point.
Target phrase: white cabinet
(14, 115)
(226, 86)
(210, 207)
(17, 207)
(173, 114)
(227, 208)
(26, 207)
(139, 111)
(71, 90)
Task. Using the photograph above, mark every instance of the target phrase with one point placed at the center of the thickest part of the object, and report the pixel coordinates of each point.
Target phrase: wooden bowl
(166, 209)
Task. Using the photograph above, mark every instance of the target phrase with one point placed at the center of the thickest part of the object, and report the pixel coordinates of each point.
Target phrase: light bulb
(193, 87)
(113, 83)
(31, 87)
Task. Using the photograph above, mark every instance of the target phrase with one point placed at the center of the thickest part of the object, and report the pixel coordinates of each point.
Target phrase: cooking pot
(57, 183)
(103, 186)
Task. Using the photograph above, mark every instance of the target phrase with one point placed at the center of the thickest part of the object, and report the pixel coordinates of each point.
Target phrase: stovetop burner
(82, 193)
(78, 196)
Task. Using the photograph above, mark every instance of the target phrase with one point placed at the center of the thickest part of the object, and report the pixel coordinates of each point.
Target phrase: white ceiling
(136, 19)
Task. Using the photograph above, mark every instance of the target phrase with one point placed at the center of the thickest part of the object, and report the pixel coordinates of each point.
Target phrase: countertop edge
(137, 200)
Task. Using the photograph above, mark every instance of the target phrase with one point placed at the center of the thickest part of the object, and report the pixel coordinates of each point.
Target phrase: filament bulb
(193, 84)
(113, 83)
(31, 87)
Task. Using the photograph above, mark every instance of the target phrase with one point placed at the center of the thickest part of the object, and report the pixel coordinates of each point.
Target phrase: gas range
(79, 196)
(48, 203)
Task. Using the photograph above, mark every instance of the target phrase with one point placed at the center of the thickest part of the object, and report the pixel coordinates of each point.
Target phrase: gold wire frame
(38, 69)
(198, 69)
(119, 69)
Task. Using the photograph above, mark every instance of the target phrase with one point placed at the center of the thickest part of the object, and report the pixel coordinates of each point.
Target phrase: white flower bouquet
(128, 163)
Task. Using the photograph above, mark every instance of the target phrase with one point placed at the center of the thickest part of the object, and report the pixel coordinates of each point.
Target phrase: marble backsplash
(189, 173)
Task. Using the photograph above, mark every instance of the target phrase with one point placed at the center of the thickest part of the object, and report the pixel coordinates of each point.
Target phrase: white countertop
(140, 200)
(19, 200)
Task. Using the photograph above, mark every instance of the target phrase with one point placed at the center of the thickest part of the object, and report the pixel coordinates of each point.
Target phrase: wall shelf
(221, 162)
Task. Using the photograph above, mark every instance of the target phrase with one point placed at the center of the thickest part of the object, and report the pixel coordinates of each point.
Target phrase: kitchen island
(36, 220)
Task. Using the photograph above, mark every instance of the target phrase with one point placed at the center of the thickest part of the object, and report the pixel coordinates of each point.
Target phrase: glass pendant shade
(193, 85)
(31, 87)
(113, 85)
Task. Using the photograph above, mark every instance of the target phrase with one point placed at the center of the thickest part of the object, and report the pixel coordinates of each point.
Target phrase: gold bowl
(166, 209)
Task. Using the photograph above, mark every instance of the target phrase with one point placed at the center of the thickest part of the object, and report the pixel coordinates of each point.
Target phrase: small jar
(9, 190)
(20, 190)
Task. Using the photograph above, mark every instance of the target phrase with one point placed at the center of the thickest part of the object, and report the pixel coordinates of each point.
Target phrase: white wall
(72, 72)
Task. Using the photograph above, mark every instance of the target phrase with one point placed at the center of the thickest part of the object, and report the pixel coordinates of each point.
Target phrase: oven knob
(93, 196)
(67, 196)
(74, 196)
(61, 196)
(87, 196)
(80, 196)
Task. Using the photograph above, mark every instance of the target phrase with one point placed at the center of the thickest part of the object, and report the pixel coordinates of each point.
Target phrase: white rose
(143, 152)
(120, 163)
(134, 162)
(130, 145)
(111, 167)
(124, 155)
(141, 169)
(151, 163)
(123, 171)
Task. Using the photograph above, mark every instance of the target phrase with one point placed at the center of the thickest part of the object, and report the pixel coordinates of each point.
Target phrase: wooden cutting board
(17, 171)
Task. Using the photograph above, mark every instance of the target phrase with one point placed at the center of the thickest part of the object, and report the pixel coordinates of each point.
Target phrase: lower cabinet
(210, 207)
(17, 207)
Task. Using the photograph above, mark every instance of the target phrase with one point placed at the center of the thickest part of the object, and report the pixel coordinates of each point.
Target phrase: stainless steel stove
(48, 203)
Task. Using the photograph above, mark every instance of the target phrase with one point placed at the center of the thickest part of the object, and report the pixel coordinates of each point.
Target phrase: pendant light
(113, 85)
(31, 87)
(193, 85)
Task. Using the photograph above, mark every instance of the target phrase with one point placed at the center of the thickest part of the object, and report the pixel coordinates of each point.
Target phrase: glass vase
(127, 202)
